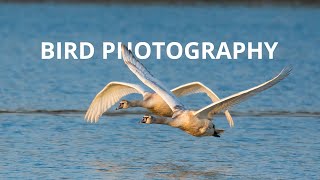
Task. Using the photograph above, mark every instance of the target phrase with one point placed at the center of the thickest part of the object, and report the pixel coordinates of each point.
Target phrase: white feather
(108, 96)
(226, 103)
(147, 78)
(198, 87)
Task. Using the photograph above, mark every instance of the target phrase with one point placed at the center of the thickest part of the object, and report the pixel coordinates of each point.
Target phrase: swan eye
(145, 118)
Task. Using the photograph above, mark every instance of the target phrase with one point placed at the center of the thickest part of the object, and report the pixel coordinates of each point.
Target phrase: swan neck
(162, 120)
(136, 103)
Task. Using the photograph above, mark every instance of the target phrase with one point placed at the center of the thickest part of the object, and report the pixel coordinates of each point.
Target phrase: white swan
(196, 123)
(114, 91)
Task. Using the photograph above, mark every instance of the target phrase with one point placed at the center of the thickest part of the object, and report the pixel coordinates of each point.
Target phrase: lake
(43, 133)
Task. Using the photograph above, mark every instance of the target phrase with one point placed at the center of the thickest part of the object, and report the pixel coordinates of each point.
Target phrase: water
(276, 134)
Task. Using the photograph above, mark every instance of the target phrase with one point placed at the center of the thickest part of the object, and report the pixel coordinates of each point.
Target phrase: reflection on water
(109, 167)
(163, 170)
(170, 170)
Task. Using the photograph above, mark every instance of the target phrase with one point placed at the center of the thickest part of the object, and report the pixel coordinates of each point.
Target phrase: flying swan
(197, 123)
(114, 91)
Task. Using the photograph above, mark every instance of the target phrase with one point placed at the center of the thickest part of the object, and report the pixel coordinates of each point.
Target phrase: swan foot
(215, 134)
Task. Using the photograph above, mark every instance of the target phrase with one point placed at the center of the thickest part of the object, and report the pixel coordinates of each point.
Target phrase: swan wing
(148, 79)
(226, 103)
(198, 87)
(108, 96)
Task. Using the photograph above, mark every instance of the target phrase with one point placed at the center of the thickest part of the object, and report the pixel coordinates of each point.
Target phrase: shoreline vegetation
(314, 3)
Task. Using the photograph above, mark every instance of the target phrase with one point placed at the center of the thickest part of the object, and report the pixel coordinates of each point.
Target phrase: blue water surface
(42, 145)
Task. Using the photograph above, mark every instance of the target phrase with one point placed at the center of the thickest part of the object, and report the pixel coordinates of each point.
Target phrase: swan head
(147, 119)
(123, 104)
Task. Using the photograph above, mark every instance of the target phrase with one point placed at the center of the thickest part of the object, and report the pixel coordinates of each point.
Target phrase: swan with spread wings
(114, 91)
(197, 123)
